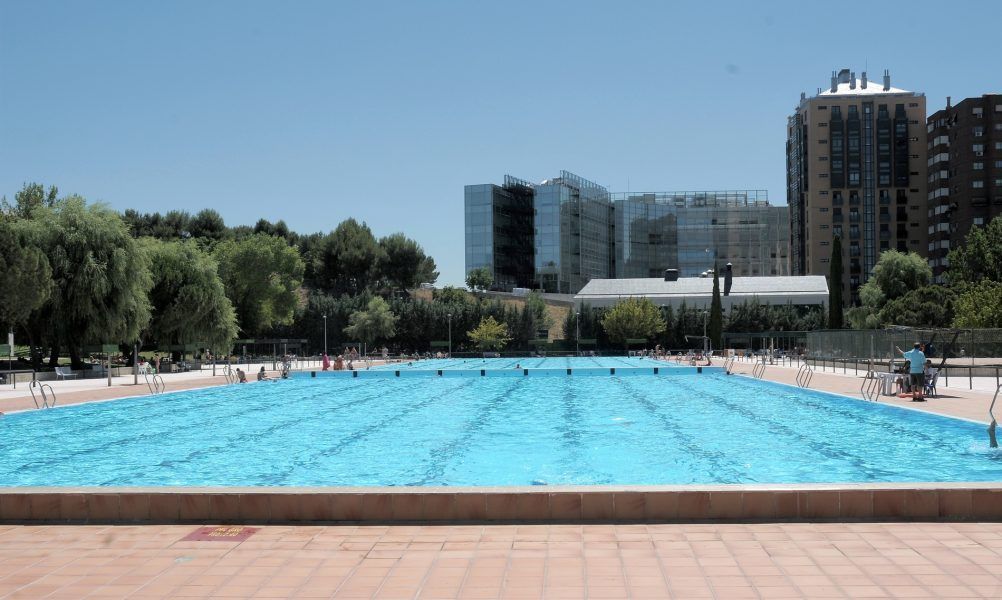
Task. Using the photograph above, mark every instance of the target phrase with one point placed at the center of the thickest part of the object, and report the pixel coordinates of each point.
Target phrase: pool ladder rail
(45, 397)
(156, 383)
(759, 369)
(729, 365)
(228, 373)
(804, 375)
(870, 387)
(992, 441)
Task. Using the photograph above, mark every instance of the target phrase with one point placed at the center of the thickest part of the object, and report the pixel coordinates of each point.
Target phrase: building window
(822, 107)
(978, 112)
(979, 220)
(822, 124)
(998, 145)
(979, 166)
(977, 184)
(998, 164)
(822, 159)
(853, 177)
(824, 243)
(824, 227)
(824, 209)
(979, 131)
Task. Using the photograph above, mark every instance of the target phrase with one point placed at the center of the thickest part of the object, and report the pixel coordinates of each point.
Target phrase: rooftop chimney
(948, 102)
(834, 83)
(852, 80)
(862, 81)
(671, 274)
(887, 80)
(728, 279)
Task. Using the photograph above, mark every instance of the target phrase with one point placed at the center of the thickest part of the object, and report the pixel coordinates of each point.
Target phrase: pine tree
(715, 329)
(835, 314)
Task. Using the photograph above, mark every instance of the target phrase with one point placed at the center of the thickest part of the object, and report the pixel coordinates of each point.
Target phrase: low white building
(697, 292)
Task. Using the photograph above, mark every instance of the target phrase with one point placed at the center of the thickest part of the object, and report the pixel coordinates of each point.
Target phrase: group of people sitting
(343, 362)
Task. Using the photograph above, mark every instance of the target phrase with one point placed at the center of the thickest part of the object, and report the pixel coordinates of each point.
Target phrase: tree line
(901, 291)
(77, 274)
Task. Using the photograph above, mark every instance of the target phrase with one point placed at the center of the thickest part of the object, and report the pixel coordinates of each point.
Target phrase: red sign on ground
(220, 534)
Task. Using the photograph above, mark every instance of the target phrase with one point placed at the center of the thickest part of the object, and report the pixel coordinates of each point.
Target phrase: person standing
(916, 371)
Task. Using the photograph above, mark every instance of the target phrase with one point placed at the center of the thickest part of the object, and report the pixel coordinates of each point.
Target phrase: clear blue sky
(313, 112)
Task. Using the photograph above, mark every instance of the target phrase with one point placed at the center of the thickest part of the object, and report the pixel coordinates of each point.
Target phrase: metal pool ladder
(729, 365)
(45, 399)
(992, 441)
(759, 369)
(870, 388)
(804, 375)
(157, 385)
(228, 374)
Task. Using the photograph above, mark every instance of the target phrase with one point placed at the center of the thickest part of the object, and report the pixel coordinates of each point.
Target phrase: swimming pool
(487, 431)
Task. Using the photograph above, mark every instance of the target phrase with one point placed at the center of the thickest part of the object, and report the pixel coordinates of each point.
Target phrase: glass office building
(499, 231)
(560, 234)
(692, 231)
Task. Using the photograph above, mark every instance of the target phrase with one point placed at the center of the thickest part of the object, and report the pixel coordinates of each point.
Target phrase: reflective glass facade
(573, 221)
(560, 234)
(690, 231)
(499, 231)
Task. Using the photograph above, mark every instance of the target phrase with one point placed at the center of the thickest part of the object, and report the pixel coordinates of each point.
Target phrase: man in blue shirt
(916, 371)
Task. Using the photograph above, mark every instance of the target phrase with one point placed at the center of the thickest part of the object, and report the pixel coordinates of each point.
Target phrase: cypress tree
(715, 329)
(835, 314)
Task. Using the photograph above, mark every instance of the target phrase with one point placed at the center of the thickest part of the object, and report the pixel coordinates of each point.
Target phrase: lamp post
(450, 335)
(577, 331)
(325, 335)
(706, 340)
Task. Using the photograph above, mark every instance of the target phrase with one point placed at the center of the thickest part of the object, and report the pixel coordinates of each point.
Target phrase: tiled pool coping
(550, 504)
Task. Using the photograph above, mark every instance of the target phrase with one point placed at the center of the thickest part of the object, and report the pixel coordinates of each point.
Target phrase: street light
(577, 333)
(450, 335)
(325, 335)
(706, 340)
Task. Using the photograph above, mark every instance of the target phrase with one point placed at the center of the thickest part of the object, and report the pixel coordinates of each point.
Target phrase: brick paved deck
(541, 561)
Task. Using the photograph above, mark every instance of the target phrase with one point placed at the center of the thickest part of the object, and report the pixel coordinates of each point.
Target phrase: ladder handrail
(158, 383)
(991, 414)
(804, 375)
(45, 397)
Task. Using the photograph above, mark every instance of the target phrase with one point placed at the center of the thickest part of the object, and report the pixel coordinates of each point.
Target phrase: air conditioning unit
(979, 154)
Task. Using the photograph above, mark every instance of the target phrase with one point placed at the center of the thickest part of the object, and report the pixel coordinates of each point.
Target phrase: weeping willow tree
(100, 279)
(188, 297)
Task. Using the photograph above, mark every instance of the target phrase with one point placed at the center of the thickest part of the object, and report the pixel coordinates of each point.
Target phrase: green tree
(345, 260)
(980, 256)
(452, 295)
(262, 275)
(32, 196)
(480, 279)
(427, 272)
(633, 318)
(930, 306)
(376, 322)
(401, 261)
(25, 274)
(208, 225)
(894, 275)
(188, 297)
(489, 334)
(101, 279)
(980, 305)
(536, 307)
(716, 326)
(835, 274)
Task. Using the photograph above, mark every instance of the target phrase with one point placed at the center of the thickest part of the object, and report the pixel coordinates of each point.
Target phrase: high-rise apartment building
(856, 168)
(560, 234)
(693, 231)
(965, 173)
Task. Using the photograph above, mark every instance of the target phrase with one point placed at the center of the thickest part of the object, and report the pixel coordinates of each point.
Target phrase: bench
(64, 372)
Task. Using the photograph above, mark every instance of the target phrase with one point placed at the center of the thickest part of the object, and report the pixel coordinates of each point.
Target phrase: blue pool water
(642, 429)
